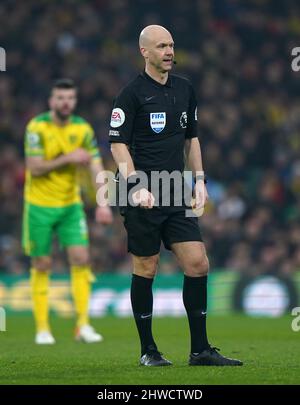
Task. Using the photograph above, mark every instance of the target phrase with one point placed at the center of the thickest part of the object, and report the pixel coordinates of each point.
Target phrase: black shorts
(146, 228)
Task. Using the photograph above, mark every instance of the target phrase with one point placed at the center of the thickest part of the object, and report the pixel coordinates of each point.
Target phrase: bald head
(152, 34)
(157, 48)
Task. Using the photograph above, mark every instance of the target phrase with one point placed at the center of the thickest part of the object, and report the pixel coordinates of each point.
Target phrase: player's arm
(193, 153)
(36, 162)
(120, 137)
(38, 166)
(103, 213)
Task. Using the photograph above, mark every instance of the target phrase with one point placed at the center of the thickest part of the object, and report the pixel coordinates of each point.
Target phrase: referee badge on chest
(183, 120)
(158, 121)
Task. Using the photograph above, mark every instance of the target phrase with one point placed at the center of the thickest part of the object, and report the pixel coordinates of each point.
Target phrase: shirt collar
(149, 78)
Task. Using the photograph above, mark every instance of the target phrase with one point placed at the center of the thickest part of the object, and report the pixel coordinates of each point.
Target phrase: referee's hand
(200, 197)
(143, 198)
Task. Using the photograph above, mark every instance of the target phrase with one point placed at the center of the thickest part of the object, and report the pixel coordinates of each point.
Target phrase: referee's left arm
(194, 156)
(193, 152)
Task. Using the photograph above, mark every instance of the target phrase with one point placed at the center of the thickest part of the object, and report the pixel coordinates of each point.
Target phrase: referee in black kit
(153, 122)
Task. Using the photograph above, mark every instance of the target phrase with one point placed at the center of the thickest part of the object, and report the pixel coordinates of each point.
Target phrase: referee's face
(160, 53)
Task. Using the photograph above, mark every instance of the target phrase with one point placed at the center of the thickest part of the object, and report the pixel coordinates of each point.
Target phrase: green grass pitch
(269, 348)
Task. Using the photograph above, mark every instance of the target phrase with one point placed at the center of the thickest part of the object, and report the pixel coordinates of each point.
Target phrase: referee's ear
(144, 52)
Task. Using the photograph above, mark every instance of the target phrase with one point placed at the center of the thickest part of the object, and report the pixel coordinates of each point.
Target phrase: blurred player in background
(57, 144)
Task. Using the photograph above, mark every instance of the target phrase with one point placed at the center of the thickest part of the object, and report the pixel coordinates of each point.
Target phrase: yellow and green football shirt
(59, 187)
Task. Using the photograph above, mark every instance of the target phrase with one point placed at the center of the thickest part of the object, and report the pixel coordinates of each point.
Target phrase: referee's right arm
(123, 159)
(121, 129)
(120, 137)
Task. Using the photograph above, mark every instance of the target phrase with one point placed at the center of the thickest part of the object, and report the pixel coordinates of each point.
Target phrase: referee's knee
(145, 266)
(198, 267)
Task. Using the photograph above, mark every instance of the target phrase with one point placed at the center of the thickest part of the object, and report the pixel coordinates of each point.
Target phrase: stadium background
(238, 56)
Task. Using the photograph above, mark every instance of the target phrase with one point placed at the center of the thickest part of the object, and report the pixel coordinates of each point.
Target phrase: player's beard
(62, 116)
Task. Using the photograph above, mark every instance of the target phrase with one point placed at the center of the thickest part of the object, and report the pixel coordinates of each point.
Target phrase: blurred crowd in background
(237, 55)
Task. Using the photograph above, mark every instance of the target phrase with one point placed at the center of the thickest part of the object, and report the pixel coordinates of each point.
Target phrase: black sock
(195, 303)
(142, 304)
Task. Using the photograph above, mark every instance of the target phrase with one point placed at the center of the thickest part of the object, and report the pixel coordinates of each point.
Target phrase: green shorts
(41, 223)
